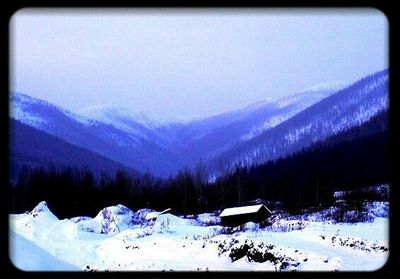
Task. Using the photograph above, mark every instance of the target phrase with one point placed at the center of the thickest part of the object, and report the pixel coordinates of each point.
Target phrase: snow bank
(34, 223)
(25, 255)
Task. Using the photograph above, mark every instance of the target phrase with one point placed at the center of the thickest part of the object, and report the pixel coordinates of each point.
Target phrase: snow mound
(34, 223)
(43, 212)
(111, 219)
(114, 219)
(173, 220)
(41, 207)
(140, 216)
(208, 219)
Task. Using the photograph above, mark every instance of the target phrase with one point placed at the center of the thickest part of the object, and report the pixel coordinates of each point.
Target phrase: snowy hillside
(297, 103)
(157, 142)
(289, 244)
(142, 150)
(263, 131)
(45, 116)
(35, 112)
(208, 137)
(352, 106)
(127, 120)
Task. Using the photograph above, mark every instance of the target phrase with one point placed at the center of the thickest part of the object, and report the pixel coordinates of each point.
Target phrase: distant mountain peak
(324, 86)
(112, 114)
(316, 92)
(25, 108)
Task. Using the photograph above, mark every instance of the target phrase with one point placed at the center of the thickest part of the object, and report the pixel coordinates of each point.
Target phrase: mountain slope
(264, 131)
(377, 124)
(351, 106)
(127, 120)
(349, 160)
(131, 149)
(208, 137)
(32, 147)
(156, 143)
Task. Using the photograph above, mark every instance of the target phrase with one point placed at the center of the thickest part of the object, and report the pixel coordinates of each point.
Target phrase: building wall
(237, 220)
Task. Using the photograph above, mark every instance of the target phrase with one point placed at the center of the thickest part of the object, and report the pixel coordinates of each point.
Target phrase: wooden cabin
(236, 216)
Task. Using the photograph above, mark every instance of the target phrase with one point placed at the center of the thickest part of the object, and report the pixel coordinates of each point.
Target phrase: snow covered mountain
(260, 132)
(349, 107)
(127, 120)
(140, 149)
(206, 138)
(40, 114)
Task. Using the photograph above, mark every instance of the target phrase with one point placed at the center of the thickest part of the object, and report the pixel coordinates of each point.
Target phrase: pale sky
(187, 62)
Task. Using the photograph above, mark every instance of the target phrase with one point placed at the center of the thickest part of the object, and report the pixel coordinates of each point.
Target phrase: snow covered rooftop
(241, 210)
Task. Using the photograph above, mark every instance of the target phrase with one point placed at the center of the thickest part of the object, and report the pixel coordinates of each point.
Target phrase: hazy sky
(186, 62)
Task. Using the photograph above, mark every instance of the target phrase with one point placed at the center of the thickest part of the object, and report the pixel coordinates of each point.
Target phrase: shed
(236, 216)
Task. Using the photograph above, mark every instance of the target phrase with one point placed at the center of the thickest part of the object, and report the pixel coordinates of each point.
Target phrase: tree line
(306, 178)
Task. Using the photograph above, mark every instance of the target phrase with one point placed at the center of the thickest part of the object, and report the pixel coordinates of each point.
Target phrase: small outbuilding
(237, 216)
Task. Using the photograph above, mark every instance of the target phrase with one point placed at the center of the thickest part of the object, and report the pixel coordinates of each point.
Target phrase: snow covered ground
(117, 240)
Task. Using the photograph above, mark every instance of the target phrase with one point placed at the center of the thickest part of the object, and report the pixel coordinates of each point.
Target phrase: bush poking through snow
(288, 225)
(378, 208)
(112, 219)
(250, 226)
(164, 226)
(256, 253)
(145, 232)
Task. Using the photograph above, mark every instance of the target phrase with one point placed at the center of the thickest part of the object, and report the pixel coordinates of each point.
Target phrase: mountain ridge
(352, 105)
(32, 147)
(251, 135)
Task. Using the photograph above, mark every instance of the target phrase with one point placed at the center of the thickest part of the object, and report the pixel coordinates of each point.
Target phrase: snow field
(177, 244)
